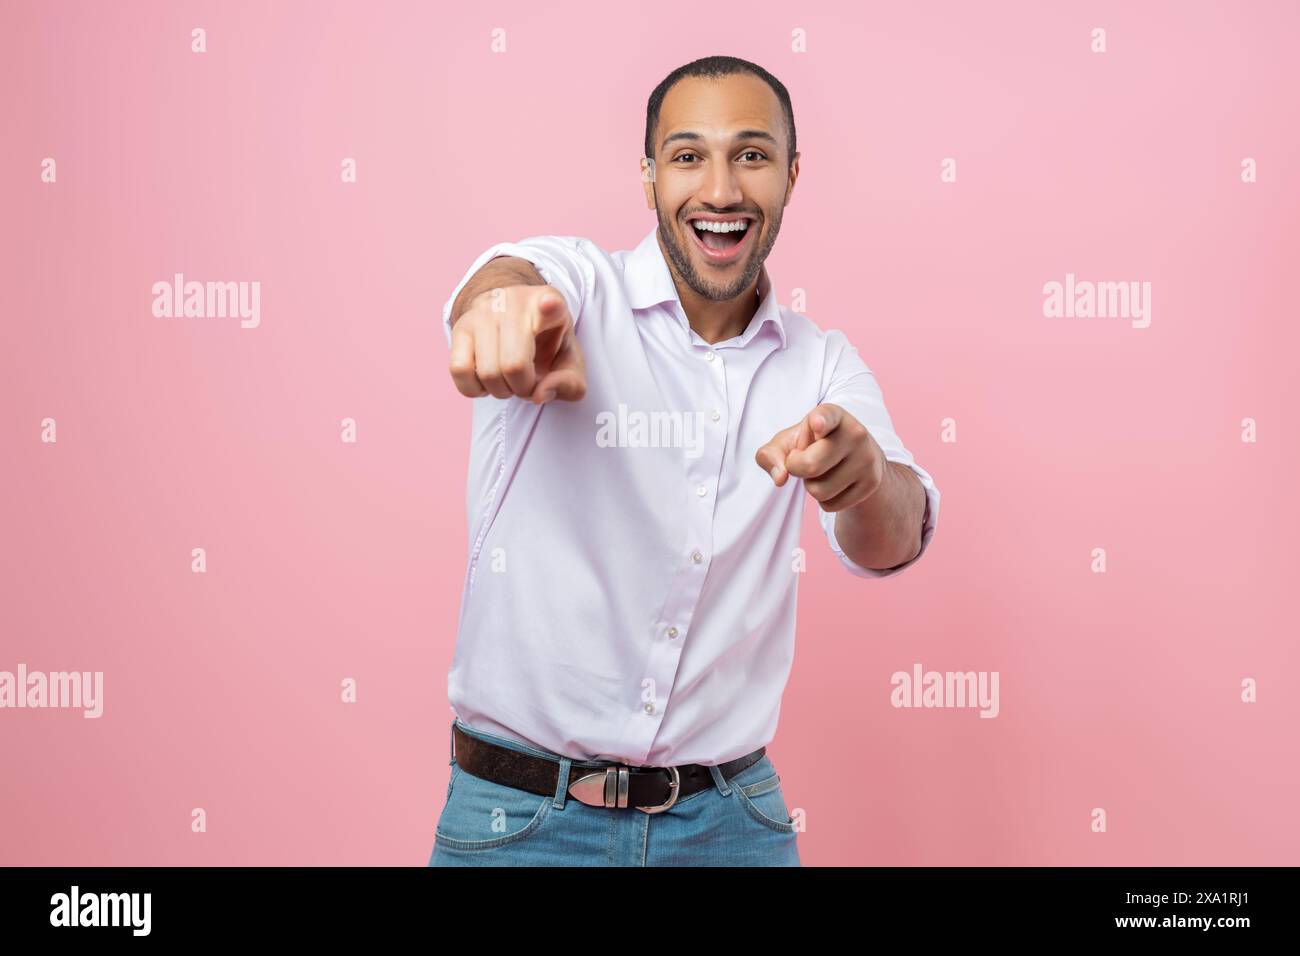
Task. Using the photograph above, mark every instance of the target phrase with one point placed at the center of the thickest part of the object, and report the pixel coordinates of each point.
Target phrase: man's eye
(758, 156)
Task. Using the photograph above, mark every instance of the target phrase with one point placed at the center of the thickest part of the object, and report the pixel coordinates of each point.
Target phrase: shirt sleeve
(560, 260)
(854, 388)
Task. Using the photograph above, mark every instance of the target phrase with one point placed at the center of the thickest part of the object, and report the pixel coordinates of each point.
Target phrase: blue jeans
(742, 821)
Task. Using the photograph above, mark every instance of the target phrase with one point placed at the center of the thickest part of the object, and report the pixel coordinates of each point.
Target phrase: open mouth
(722, 242)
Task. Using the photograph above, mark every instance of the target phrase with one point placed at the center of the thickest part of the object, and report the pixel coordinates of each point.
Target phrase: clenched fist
(518, 340)
(838, 460)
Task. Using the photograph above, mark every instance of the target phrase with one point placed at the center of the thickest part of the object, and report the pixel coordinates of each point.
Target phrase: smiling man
(627, 621)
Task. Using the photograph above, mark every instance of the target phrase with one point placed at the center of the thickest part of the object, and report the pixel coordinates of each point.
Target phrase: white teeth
(704, 225)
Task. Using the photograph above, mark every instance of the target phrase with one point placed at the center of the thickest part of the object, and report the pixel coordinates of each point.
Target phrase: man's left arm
(878, 507)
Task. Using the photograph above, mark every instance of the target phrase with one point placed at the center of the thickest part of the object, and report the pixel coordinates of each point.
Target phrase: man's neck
(716, 321)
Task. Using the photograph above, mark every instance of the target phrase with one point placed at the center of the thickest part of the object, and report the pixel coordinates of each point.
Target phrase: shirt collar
(649, 282)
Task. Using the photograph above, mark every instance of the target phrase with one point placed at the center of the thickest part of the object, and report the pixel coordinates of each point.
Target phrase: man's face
(720, 153)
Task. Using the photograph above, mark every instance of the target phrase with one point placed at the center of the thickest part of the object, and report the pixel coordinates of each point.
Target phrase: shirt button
(672, 632)
(649, 708)
(701, 491)
(716, 415)
(697, 557)
(708, 356)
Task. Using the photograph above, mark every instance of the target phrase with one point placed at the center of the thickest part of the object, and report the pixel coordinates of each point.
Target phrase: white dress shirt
(630, 589)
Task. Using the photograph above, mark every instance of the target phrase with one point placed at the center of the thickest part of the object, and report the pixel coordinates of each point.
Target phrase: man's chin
(726, 290)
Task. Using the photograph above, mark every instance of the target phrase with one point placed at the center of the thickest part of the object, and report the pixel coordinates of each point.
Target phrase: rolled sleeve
(854, 388)
(559, 260)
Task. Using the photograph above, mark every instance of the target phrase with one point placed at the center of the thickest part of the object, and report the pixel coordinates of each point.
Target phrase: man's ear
(648, 180)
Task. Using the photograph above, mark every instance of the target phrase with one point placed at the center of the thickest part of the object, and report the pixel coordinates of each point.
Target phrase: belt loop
(562, 785)
(719, 780)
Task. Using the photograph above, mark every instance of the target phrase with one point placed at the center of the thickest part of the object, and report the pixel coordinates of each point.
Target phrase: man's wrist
(865, 528)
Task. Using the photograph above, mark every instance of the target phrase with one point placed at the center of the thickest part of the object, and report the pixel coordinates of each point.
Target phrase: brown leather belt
(595, 783)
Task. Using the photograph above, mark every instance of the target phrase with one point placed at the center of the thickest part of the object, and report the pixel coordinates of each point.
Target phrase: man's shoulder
(806, 333)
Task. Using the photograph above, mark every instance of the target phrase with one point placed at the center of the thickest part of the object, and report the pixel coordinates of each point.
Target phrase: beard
(685, 265)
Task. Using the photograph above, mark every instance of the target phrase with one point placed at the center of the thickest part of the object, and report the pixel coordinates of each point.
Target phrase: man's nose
(721, 188)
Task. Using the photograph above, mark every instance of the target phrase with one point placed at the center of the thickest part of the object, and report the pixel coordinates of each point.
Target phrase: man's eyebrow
(694, 137)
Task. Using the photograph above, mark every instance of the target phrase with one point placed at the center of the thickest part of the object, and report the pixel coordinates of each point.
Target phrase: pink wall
(329, 560)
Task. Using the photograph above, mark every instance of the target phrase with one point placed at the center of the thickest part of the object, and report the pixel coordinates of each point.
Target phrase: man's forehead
(720, 108)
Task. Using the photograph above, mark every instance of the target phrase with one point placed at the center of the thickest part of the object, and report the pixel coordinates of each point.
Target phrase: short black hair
(715, 67)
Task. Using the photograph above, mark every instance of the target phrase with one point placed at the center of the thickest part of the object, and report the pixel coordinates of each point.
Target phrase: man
(645, 425)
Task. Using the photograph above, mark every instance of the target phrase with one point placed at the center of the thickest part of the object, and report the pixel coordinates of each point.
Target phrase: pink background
(328, 560)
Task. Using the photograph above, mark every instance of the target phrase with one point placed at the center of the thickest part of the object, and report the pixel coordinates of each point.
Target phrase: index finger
(548, 312)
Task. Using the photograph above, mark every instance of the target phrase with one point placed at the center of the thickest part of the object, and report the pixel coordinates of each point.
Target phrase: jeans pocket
(482, 815)
(764, 801)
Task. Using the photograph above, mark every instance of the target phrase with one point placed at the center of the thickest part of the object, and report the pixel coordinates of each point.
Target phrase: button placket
(702, 473)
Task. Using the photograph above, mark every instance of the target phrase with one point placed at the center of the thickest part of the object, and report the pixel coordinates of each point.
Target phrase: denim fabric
(743, 821)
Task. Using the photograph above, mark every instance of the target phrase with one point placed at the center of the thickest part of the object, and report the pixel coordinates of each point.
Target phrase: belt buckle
(609, 788)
